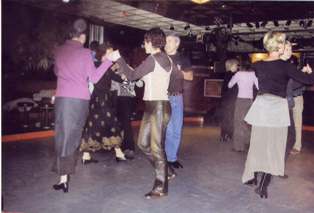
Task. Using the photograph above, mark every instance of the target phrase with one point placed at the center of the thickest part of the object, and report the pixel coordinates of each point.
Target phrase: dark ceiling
(226, 11)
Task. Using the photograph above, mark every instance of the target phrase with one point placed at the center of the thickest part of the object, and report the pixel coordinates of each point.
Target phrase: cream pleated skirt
(266, 152)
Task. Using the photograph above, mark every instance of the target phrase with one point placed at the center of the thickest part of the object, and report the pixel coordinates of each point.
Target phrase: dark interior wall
(29, 35)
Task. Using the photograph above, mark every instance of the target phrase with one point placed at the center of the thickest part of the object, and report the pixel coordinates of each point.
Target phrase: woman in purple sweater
(73, 67)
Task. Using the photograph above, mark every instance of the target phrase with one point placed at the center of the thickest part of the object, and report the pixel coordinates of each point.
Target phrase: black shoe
(175, 164)
(160, 189)
(118, 159)
(171, 176)
(129, 154)
(63, 186)
(171, 173)
(284, 176)
(154, 194)
(225, 138)
(84, 162)
(251, 182)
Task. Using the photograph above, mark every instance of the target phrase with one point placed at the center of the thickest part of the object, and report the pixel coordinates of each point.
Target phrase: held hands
(123, 77)
(307, 69)
(112, 56)
(115, 67)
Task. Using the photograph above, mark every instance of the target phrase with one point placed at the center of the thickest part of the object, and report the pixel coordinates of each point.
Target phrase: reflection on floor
(209, 182)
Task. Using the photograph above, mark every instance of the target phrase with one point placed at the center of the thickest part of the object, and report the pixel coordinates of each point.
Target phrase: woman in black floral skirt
(102, 129)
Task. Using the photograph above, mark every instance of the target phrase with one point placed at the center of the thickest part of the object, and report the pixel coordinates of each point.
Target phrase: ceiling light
(200, 1)
(66, 1)
(309, 24)
(249, 25)
(264, 23)
(257, 24)
(187, 27)
(288, 22)
(276, 24)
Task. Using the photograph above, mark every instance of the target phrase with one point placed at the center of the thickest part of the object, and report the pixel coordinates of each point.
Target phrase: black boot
(262, 188)
(159, 190)
(253, 181)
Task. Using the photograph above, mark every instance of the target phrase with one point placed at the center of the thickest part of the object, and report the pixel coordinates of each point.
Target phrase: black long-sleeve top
(273, 76)
(148, 66)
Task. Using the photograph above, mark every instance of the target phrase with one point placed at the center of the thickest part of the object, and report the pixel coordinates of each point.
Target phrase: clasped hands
(307, 69)
(111, 55)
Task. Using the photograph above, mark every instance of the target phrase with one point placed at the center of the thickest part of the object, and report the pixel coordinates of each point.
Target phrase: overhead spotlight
(309, 23)
(302, 23)
(249, 25)
(187, 27)
(171, 27)
(190, 33)
(276, 24)
(257, 24)
(288, 22)
(200, 1)
(66, 1)
(264, 23)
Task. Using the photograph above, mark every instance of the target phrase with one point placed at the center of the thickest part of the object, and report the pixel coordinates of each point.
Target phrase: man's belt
(174, 93)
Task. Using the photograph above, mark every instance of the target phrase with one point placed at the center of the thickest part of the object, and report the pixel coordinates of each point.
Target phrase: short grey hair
(174, 35)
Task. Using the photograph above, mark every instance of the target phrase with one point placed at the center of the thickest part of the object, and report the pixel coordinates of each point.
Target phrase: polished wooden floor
(209, 182)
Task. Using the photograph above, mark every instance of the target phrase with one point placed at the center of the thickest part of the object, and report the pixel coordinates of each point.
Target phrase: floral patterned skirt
(102, 129)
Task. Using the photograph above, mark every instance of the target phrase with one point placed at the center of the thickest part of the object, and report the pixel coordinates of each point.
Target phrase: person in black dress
(102, 129)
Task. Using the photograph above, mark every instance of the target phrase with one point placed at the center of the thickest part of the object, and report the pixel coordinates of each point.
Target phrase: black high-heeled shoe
(160, 189)
(84, 162)
(120, 159)
(154, 194)
(62, 186)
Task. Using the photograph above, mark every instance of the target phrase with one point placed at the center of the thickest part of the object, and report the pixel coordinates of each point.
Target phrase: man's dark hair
(78, 27)
(94, 45)
(156, 36)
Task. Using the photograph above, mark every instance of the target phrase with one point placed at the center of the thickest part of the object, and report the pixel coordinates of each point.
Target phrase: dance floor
(210, 181)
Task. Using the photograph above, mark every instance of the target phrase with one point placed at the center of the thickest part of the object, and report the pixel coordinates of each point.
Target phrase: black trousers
(124, 112)
(152, 138)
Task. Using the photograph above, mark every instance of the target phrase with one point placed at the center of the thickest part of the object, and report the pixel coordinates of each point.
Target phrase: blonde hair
(231, 62)
(272, 40)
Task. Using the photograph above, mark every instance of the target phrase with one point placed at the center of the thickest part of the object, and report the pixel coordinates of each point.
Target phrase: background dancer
(245, 79)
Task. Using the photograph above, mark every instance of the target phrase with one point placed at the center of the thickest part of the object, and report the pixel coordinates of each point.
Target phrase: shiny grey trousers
(151, 140)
